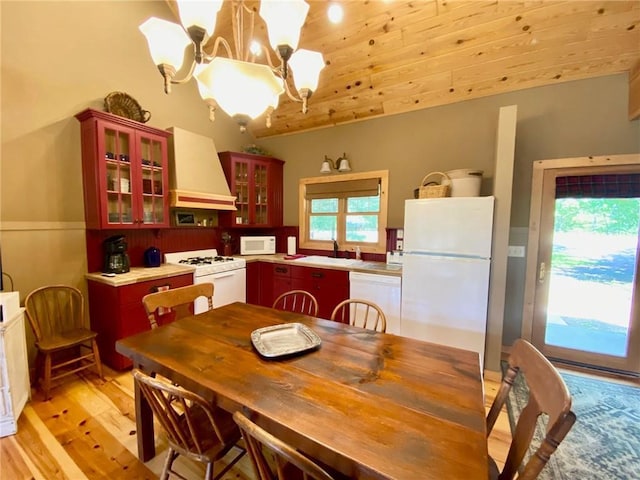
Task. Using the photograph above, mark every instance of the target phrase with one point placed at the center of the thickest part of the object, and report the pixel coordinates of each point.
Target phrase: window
(352, 209)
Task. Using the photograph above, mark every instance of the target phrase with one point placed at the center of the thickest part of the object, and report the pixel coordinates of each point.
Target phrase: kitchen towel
(291, 245)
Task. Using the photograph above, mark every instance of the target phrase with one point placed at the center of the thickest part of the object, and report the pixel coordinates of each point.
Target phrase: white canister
(291, 245)
(465, 182)
(124, 185)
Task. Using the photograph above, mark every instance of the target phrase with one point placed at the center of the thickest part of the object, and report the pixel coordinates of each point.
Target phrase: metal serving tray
(284, 339)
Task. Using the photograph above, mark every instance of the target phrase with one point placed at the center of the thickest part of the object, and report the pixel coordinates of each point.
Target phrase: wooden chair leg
(168, 463)
(38, 368)
(46, 383)
(96, 355)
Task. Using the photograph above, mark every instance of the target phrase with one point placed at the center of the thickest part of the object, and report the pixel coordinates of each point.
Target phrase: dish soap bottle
(358, 254)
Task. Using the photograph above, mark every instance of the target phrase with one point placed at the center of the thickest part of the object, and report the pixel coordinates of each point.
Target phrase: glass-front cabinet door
(241, 191)
(124, 171)
(260, 189)
(117, 145)
(256, 181)
(152, 185)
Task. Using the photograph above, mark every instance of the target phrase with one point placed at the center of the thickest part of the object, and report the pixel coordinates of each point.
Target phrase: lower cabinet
(254, 296)
(117, 312)
(15, 389)
(330, 287)
(266, 281)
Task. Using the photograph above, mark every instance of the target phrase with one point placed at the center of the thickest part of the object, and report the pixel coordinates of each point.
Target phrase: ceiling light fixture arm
(168, 72)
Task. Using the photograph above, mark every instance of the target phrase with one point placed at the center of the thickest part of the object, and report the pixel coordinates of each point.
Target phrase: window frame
(305, 213)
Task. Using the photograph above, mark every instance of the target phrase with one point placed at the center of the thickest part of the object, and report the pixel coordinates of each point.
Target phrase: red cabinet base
(117, 312)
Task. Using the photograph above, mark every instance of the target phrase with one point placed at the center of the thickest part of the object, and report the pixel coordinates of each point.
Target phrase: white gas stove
(228, 275)
(206, 261)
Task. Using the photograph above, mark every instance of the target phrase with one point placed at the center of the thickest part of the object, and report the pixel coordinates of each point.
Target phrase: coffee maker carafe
(116, 259)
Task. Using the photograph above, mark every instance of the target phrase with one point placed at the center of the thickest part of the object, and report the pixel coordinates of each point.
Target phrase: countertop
(379, 268)
(141, 274)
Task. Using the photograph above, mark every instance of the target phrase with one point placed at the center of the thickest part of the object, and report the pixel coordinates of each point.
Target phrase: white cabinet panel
(14, 371)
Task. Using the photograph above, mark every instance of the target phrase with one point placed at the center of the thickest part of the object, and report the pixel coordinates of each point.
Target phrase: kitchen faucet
(335, 249)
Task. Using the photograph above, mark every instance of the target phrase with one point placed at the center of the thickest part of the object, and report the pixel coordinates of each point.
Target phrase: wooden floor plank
(93, 448)
(44, 449)
(13, 463)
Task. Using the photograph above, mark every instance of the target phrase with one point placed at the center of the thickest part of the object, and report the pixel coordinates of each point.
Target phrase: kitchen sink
(338, 262)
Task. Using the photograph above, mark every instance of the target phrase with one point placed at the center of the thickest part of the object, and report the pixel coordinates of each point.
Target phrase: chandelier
(235, 82)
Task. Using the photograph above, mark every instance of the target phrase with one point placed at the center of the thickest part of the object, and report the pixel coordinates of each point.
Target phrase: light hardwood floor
(88, 431)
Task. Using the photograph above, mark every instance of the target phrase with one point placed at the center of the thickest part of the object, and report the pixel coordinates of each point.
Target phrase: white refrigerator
(445, 270)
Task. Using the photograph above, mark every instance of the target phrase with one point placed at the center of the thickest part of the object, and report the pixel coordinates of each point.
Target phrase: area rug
(604, 443)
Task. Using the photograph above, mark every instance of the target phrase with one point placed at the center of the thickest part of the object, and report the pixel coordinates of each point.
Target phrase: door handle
(223, 275)
(542, 272)
(317, 274)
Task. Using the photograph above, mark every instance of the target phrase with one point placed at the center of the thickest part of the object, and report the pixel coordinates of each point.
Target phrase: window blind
(366, 187)
(599, 186)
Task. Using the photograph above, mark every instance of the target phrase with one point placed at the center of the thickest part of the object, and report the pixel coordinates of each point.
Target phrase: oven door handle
(223, 275)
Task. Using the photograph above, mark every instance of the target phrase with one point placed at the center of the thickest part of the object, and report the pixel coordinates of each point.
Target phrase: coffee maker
(116, 259)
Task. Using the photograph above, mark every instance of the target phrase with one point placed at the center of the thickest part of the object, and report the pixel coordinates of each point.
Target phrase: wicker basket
(432, 189)
(124, 105)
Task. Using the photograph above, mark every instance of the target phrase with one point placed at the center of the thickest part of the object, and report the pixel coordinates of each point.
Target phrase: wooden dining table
(368, 405)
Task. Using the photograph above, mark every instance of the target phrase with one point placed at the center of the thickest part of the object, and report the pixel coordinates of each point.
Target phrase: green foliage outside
(618, 216)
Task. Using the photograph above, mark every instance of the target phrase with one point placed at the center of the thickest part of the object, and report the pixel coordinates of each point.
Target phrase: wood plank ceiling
(390, 57)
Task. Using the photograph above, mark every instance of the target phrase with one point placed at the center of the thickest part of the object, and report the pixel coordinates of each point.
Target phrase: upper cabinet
(124, 168)
(256, 182)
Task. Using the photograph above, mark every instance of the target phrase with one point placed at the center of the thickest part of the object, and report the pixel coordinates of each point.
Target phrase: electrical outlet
(516, 251)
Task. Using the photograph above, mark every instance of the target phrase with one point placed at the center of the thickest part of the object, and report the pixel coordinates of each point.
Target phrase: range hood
(196, 179)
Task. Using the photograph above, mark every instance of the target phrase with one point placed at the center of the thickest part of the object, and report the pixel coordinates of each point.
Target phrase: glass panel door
(242, 192)
(260, 193)
(586, 306)
(152, 182)
(118, 171)
(592, 274)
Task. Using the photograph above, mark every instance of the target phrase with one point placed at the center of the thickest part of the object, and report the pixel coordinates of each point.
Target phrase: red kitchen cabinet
(254, 296)
(257, 183)
(124, 172)
(330, 287)
(117, 312)
(275, 279)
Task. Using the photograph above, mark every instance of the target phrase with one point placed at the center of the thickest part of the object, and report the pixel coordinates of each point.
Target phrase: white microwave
(257, 245)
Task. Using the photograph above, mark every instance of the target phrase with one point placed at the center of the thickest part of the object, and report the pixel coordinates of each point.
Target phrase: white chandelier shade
(306, 66)
(284, 20)
(166, 40)
(241, 88)
(200, 14)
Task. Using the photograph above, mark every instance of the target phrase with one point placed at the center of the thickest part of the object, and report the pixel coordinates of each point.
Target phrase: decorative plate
(284, 339)
(124, 105)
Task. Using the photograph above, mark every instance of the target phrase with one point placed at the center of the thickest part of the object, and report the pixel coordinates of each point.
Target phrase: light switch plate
(516, 251)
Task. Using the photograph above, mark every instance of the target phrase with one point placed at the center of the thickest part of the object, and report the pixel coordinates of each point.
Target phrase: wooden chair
(360, 313)
(285, 462)
(180, 300)
(56, 314)
(195, 428)
(299, 301)
(548, 394)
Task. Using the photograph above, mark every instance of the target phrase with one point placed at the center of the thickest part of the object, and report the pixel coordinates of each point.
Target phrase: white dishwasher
(383, 290)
